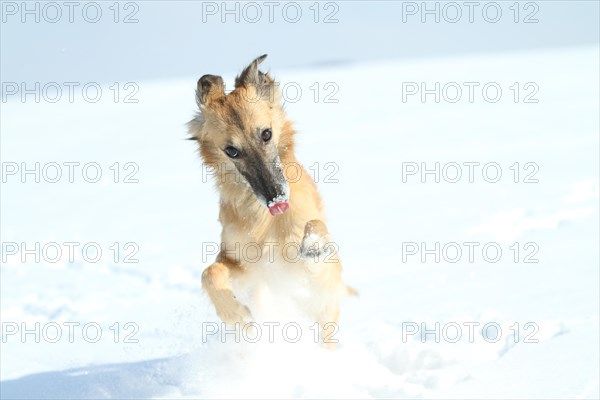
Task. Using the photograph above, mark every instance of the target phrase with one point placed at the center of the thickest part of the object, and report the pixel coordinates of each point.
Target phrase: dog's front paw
(316, 244)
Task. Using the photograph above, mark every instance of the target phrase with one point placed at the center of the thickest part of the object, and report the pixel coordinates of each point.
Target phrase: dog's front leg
(216, 281)
(320, 259)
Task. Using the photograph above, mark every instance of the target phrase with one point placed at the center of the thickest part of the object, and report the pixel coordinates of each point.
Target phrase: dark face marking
(235, 118)
(265, 178)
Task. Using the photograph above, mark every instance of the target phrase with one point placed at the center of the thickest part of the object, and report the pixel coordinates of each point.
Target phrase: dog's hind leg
(216, 281)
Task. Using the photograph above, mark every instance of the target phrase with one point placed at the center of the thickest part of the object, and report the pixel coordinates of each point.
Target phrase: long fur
(232, 282)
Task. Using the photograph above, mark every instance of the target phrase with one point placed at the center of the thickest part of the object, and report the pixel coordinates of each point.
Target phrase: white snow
(170, 216)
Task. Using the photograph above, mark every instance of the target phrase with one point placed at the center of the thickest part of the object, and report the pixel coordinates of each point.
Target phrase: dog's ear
(251, 76)
(210, 88)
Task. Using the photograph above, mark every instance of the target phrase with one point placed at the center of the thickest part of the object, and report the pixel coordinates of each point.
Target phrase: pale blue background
(170, 39)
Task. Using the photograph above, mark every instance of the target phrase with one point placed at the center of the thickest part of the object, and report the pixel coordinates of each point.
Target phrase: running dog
(274, 240)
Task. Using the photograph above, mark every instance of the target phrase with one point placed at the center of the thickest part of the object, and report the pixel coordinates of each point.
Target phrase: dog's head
(244, 135)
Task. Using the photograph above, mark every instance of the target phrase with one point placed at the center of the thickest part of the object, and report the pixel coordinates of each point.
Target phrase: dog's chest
(275, 282)
(269, 246)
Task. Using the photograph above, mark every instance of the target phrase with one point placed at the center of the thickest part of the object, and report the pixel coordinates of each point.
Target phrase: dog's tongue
(279, 208)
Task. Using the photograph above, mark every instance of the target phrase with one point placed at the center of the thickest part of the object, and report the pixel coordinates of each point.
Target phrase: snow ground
(170, 213)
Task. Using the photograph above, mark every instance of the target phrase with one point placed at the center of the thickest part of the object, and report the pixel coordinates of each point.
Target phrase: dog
(268, 203)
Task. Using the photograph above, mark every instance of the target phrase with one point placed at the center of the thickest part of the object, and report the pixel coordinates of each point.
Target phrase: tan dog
(273, 233)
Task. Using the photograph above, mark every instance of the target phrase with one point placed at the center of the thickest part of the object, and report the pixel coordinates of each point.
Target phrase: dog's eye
(232, 152)
(266, 135)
